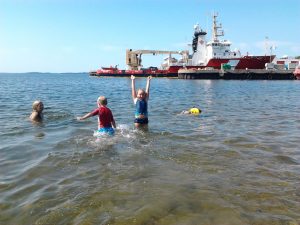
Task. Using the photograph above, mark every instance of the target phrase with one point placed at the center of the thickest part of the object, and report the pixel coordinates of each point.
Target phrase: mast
(215, 29)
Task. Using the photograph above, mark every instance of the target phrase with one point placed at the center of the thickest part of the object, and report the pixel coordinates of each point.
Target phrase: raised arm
(148, 86)
(133, 93)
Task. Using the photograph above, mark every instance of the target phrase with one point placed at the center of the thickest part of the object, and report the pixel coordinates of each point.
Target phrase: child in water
(140, 99)
(106, 121)
(37, 111)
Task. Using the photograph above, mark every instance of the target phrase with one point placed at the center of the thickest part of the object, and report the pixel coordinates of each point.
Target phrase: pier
(212, 74)
(250, 74)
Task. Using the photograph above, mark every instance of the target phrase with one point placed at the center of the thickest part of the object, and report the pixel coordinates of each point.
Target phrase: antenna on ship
(215, 30)
(267, 45)
(269, 48)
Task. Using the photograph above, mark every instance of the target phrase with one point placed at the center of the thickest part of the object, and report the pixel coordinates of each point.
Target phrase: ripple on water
(236, 163)
(284, 159)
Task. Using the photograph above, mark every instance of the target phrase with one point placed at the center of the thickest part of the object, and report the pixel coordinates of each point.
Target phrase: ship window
(234, 54)
(215, 54)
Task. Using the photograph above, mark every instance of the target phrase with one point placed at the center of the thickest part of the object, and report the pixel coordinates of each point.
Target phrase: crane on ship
(134, 57)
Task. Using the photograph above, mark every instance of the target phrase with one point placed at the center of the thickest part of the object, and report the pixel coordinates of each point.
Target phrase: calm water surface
(236, 163)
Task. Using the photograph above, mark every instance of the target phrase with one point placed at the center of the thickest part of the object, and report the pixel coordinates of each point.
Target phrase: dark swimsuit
(141, 108)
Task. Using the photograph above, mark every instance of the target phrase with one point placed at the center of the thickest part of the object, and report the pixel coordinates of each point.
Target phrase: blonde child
(37, 111)
(140, 99)
(106, 121)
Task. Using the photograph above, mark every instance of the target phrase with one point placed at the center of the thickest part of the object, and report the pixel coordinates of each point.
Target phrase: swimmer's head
(38, 106)
(141, 94)
(102, 100)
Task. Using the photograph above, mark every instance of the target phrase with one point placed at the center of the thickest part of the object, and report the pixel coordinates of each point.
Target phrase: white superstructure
(213, 49)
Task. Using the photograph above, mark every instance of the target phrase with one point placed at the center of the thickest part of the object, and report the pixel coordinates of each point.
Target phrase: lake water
(236, 163)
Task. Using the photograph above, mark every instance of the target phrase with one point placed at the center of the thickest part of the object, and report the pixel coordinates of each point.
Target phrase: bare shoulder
(35, 116)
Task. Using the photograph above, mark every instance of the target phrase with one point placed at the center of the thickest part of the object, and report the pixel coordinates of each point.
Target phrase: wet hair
(35, 104)
(142, 90)
(102, 100)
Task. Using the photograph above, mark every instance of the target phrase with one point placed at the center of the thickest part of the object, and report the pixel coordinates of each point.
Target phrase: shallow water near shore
(238, 162)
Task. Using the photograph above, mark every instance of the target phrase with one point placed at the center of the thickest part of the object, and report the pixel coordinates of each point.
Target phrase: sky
(84, 35)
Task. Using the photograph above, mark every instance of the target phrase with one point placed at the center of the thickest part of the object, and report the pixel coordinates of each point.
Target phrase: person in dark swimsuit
(140, 99)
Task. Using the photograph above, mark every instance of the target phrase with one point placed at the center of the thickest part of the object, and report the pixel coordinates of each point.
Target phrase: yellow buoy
(195, 111)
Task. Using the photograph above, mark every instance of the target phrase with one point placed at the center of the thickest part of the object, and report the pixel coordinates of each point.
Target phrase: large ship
(206, 55)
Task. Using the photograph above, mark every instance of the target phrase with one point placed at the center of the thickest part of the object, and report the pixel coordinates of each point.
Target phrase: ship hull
(246, 62)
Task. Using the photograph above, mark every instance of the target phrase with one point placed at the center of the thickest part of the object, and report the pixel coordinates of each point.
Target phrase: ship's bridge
(221, 49)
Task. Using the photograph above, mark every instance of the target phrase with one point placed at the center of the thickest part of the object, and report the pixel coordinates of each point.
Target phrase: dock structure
(138, 73)
(250, 74)
(204, 74)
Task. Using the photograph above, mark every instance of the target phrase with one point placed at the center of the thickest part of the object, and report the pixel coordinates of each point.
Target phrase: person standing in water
(37, 111)
(140, 99)
(106, 121)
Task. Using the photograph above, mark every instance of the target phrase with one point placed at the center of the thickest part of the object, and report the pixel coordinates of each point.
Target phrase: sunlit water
(236, 163)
